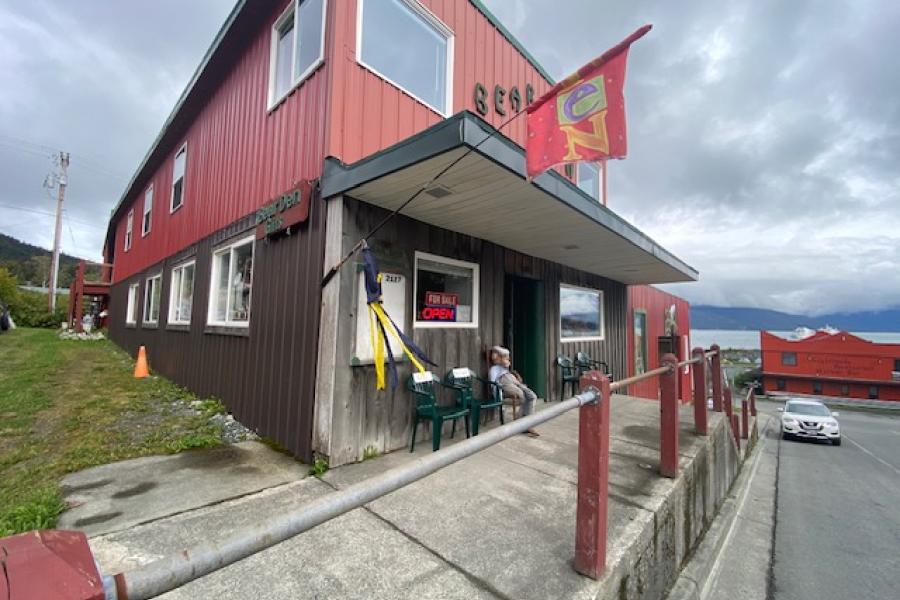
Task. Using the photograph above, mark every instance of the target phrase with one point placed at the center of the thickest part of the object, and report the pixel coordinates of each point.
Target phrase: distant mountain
(31, 265)
(737, 318)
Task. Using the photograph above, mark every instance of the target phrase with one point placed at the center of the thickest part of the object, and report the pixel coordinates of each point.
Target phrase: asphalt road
(837, 528)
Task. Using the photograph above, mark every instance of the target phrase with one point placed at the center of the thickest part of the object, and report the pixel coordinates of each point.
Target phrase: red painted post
(735, 427)
(745, 417)
(716, 378)
(593, 478)
(753, 402)
(728, 403)
(698, 369)
(668, 419)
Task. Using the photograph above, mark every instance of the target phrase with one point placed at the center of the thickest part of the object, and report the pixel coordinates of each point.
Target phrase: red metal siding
(371, 114)
(655, 302)
(239, 156)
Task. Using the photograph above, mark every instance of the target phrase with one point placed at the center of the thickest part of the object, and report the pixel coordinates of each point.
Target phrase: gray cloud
(764, 136)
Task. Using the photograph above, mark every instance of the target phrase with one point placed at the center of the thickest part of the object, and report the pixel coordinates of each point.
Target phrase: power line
(50, 214)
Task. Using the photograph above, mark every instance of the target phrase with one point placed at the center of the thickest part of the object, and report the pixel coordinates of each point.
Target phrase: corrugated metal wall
(267, 377)
(375, 114)
(383, 419)
(655, 302)
(239, 156)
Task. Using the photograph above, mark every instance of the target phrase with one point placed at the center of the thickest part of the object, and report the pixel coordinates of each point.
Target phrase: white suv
(811, 420)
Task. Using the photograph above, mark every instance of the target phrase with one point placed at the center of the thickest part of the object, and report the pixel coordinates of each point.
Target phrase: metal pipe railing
(170, 572)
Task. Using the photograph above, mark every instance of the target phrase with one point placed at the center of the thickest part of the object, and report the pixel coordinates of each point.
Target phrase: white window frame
(148, 299)
(598, 182)
(586, 338)
(172, 207)
(441, 28)
(129, 230)
(174, 294)
(134, 291)
(214, 278)
(292, 12)
(476, 295)
(147, 213)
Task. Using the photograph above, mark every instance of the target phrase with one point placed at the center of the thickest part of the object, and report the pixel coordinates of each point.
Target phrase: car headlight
(788, 421)
(832, 423)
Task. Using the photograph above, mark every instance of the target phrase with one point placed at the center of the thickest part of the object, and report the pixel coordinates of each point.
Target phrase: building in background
(830, 363)
(305, 124)
(660, 324)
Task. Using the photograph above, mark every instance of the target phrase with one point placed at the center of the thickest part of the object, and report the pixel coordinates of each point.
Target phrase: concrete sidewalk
(499, 524)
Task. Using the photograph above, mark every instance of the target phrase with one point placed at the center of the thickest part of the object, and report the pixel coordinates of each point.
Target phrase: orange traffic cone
(140, 367)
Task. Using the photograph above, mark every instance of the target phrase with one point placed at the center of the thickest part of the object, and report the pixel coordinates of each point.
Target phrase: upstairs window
(589, 179)
(232, 280)
(789, 359)
(404, 43)
(148, 208)
(132, 309)
(178, 169)
(298, 46)
(129, 228)
(151, 299)
(181, 294)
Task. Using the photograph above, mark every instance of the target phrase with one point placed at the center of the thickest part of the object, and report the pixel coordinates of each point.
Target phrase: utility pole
(60, 196)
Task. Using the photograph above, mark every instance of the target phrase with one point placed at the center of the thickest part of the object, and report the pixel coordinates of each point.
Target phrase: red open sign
(438, 313)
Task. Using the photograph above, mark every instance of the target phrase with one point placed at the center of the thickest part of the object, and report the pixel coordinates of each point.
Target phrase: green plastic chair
(424, 389)
(568, 375)
(462, 380)
(584, 362)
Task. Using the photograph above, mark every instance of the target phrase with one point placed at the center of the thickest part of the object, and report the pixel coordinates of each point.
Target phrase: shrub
(29, 309)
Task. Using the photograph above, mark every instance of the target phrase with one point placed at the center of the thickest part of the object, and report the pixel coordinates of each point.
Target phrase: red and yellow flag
(583, 116)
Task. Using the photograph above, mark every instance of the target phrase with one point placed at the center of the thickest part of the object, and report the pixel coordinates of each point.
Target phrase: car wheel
(836, 442)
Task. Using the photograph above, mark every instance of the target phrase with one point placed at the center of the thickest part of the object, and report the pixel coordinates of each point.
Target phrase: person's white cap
(500, 350)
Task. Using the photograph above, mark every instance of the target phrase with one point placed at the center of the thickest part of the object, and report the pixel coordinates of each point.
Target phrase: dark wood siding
(383, 419)
(266, 378)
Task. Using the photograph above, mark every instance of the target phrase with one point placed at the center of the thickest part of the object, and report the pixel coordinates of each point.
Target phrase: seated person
(511, 382)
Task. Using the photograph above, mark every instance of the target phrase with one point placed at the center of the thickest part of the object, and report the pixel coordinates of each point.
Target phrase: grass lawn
(69, 405)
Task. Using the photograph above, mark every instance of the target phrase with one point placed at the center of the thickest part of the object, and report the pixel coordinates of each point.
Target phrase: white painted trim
(588, 338)
(147, 299)
(275, 102)
(133, 293)
(229, 247)
(172, 209)
(173, 292)
(144, 212)
(476, 292)
(442, 29)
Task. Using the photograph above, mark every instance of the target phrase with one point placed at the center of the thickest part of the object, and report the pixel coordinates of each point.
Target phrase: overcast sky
(764, 135)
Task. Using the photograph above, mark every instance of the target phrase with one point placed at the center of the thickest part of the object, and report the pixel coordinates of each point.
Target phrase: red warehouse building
(305, 124)
(827, 363)
(661, 324)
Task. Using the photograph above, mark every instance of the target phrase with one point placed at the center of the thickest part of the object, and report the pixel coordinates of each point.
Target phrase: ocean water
(749, 340)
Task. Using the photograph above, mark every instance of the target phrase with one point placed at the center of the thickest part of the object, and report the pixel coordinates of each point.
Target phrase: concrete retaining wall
(663, 539)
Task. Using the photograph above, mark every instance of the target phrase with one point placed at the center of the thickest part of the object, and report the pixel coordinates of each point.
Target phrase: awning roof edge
(466, 129)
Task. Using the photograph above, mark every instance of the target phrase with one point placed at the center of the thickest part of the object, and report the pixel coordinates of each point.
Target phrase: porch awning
(486, 196)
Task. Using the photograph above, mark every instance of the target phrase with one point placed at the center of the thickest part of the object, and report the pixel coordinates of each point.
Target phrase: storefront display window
(232, 281)
(421, 65)
(446, 292)
(580, 314)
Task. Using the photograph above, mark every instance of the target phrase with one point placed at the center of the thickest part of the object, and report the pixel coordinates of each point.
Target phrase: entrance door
(671, 344)
(524, 330)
